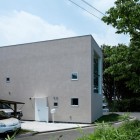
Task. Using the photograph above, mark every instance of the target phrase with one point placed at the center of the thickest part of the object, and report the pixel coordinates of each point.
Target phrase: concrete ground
(48, 127)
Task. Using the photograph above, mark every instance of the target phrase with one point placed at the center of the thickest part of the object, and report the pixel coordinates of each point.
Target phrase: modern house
(59, 78)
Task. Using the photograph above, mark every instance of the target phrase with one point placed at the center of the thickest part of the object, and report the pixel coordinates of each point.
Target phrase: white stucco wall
(44, 69)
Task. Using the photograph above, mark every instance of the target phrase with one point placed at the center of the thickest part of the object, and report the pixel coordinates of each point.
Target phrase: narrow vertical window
(96, 75)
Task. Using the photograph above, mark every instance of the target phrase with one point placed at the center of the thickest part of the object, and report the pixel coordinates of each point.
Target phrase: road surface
(72, 134)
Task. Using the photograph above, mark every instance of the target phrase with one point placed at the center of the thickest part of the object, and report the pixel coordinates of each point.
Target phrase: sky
(24, 21)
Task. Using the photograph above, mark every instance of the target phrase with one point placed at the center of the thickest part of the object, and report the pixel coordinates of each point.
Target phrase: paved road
(60, 135)
(136, 114)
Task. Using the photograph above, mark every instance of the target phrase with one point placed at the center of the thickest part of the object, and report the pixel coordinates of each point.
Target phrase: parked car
(9, 111)
(8, 124)
(105, 107)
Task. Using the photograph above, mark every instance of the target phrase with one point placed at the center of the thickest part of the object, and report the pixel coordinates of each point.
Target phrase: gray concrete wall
(44, 69)
(96, 106)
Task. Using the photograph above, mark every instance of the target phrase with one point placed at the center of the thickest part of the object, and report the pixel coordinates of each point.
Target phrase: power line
(83, 8)
(93, 7)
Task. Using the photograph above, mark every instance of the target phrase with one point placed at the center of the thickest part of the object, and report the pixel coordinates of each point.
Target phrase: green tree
(116, 77)
(115, 72)
(124, 61)
(125, 17)
(108, 79)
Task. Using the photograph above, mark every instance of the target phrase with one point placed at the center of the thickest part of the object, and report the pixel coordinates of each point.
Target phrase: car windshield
(3, 115)
(4, 106)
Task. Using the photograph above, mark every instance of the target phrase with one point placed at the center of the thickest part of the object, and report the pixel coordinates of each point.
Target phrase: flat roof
(21, 44)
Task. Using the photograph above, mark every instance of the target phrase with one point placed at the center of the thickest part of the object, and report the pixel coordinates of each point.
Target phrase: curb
(26, 134)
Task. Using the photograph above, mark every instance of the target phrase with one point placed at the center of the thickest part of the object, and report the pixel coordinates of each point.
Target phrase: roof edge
(45, 41)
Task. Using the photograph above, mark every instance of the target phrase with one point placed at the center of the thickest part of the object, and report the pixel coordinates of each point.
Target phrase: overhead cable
(83, 9)
(93, 7)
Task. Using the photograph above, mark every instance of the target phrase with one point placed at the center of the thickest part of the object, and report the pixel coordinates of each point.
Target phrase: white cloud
(22, 27)
(110, 38)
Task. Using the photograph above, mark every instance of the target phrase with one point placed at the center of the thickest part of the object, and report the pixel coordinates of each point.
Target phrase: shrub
(110, 118)
(130, 130)
(126, 105)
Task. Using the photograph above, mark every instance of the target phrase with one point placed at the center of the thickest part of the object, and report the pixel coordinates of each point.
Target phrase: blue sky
(23, 21)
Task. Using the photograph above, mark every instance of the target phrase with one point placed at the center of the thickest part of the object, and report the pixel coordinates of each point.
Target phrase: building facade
(58, 80)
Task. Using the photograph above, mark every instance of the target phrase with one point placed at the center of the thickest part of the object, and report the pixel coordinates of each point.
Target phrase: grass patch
(11, 136)
(112, 118)
(129, 130)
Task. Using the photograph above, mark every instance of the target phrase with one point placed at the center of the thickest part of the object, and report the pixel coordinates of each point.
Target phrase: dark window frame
(55, 104)
(74, 101)
(7, 79)
(74, 76)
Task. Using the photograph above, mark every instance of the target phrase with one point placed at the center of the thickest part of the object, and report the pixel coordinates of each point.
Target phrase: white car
(9, 111)
(8, 124)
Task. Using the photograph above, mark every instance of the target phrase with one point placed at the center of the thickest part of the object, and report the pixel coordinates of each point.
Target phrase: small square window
(8, 80)
(74, 102)
(55, 104)
(74, 76)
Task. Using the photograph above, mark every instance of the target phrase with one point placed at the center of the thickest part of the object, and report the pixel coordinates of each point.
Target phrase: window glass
(96, 76)
(4, 106)
(55, 104)
(74, 101)
(7, 79)
(74, 76)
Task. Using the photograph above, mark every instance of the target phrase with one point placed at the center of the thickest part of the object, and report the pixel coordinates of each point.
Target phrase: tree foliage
(115, 76)
(125, 17)
(123, 62)
(108, 79)
(121, 78)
